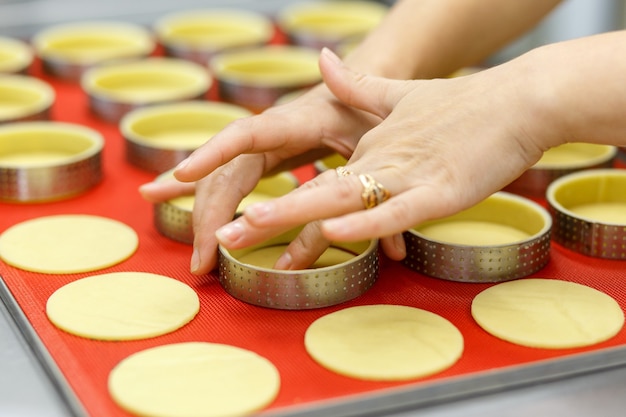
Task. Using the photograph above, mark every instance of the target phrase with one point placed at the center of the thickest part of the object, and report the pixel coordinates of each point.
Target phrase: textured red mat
(277, 335)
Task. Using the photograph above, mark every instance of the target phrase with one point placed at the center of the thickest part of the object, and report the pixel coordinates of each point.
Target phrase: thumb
(375, 95)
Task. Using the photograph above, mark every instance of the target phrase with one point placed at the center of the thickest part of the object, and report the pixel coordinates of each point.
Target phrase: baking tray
(79, 367)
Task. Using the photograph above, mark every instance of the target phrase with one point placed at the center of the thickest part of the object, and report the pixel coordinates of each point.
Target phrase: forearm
(576, 88)
(433, 38)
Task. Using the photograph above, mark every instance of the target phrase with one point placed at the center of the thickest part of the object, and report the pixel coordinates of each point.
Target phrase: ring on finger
(374, 193)
(343, 171)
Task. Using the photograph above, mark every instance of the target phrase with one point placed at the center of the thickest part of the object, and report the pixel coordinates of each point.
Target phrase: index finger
(271, 130)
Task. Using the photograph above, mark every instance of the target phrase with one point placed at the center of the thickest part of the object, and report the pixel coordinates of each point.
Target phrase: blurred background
(21, 18)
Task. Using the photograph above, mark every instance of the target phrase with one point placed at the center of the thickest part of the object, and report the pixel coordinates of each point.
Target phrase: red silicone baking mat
(83, 365)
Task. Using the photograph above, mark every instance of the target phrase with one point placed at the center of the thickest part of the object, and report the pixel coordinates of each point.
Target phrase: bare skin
(445, 145)
(322, 121)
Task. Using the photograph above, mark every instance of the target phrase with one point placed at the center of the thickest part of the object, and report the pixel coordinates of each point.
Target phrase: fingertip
(394, 247)
(331, 56)
(147, 190)
(202, 261)
(194, 264)
(284, 262)
(179, 170)
(230, 234)
(334, 229)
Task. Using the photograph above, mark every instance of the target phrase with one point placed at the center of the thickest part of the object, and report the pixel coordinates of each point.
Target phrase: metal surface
(351, 21)
(115, 89)
(68, 50)
(26, 390)
(31, 385)
(256, 78)
(589, 384)
(174, 218)
(173, 222)
(17, 56)
(144, 130)
(25, 98)
(199, 35)
(22, 18)
(51, 181)
(485, 263)
(535, 181)
(300, 289)
(593, 238)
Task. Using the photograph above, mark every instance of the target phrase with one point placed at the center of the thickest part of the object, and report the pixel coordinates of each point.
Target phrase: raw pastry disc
(384, 342)
(122, 306)
(67, 244)
(194, 379)
(547, 313)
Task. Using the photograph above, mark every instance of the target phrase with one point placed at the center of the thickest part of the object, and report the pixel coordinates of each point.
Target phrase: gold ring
(373, 192)
(343, 172)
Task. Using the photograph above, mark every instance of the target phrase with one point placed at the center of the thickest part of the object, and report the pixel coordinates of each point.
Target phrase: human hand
(228, 167)
(443, 146)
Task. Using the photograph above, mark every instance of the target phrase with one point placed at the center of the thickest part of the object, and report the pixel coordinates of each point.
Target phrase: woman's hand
(443, 146)
(229, 165)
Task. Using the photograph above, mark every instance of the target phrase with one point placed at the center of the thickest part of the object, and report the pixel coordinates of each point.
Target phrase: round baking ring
(28, 98)
(488, 263)
(176, 222)
(535, 181)
(141, 128)
(256, 78)
(65, 51)
(16, 56)
(329, 23)
(56, 180)
(112, 87)
(299, 289)
(199, 35)
(584, 235)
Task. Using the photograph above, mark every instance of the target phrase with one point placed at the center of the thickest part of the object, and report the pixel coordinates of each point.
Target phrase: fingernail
(182, 164)
(148, 186)
(398, 242)
(259, 210)
(195, 261)
(334, 226)
(284, 262)
(331, 55)
(229, 233)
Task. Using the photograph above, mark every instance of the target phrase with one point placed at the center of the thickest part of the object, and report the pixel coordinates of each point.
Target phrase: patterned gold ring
(343, 171)
(374, 193)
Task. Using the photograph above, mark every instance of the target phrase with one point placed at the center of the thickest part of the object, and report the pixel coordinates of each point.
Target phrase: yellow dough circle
(67, 244)
(547, 313)
(122, 306)
(194, 379)
(384, 342)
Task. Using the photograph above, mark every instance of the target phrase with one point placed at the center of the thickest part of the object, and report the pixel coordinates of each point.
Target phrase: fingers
(373, 94)
(270, 218)
(392, 217)
(346, 219)
(314, 120)
(239, 137)
(281, 133)
(394, 246)
(217, 198)
(159, 191)
(326, 195)
(301, 252)
(304, 250)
